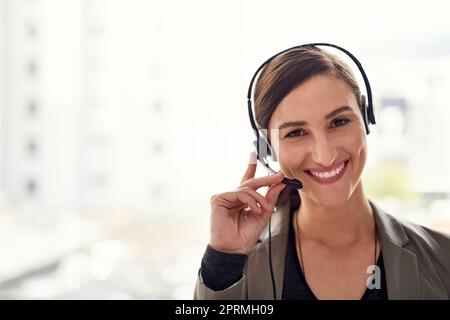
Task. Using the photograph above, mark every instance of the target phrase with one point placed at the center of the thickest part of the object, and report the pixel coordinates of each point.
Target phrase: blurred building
(83, 106)
(100, 114)
(411, 112)
(42, 73)
(429, 131)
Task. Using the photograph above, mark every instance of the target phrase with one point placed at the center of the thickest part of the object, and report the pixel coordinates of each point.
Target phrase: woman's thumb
(274, 192)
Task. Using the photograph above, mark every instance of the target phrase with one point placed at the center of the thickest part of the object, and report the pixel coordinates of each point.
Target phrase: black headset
(265, 150)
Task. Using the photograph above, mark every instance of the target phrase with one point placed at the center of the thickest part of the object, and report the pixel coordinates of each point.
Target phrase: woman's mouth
(328, 177)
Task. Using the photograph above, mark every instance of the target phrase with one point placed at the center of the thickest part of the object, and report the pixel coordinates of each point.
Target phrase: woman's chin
(328, 200)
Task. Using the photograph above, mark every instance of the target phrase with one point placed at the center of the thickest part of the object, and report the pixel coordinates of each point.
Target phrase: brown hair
(286, 72)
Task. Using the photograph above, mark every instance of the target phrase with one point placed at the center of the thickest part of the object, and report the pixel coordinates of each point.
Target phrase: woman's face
(322, 140)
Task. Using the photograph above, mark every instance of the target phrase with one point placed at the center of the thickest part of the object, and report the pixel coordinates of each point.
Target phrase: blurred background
(120, 118)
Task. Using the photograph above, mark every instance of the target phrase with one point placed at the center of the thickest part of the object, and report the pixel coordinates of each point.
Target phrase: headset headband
(370, 113)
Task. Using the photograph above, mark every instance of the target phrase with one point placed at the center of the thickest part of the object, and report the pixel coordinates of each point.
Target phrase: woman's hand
(238, 217)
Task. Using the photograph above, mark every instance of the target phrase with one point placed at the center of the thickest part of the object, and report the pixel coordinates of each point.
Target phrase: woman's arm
(221, 276)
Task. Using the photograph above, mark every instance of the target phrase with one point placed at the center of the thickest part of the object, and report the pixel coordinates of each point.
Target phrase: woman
(329, 241)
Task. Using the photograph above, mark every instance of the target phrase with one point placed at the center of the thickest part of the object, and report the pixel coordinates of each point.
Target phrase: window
(31, 108)
(157, 106)
(31, 148)
(157, 191)
(32, 68)
(31, 30)
(99, 180)
(31, 187)
(157, 148)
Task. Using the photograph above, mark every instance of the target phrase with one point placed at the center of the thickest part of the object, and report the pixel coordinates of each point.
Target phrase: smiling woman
(329, 241)
(330, 137)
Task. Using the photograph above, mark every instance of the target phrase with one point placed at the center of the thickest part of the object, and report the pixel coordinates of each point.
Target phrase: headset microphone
(297, 184)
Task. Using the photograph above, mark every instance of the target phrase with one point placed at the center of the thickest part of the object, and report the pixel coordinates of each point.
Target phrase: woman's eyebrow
(302, 123)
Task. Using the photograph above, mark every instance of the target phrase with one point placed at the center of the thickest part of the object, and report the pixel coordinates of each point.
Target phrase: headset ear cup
(261, 145)
(272, 152)
(371, 114)
(364, 113)
(264, 148)
(269, 150)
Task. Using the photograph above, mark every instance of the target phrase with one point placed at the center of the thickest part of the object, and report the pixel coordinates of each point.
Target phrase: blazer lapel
(401, 267)
(280, 246)
(262, 288)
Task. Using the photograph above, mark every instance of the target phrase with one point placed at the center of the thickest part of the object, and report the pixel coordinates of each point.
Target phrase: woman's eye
(340, 122)
(295, 133)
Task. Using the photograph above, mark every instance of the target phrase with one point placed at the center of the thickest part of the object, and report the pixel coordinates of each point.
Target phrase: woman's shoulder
(430, 242)
(421, 239)
(425, 234)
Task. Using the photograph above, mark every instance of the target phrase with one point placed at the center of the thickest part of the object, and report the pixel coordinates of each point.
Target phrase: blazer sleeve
(237, 291)
(221, 276)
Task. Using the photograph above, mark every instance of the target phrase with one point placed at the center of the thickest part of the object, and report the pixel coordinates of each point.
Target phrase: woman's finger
(274, 192)
(257, 183)
(263, 202)
(239, 196)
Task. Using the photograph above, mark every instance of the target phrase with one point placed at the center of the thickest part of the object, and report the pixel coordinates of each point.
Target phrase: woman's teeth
(328, 174)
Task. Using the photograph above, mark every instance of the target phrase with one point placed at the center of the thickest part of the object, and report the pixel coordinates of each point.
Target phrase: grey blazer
(416, 260)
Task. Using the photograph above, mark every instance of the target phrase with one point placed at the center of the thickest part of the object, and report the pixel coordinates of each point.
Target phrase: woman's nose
(323, 152)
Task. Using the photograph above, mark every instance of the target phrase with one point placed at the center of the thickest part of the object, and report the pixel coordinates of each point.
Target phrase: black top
(220, 270)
